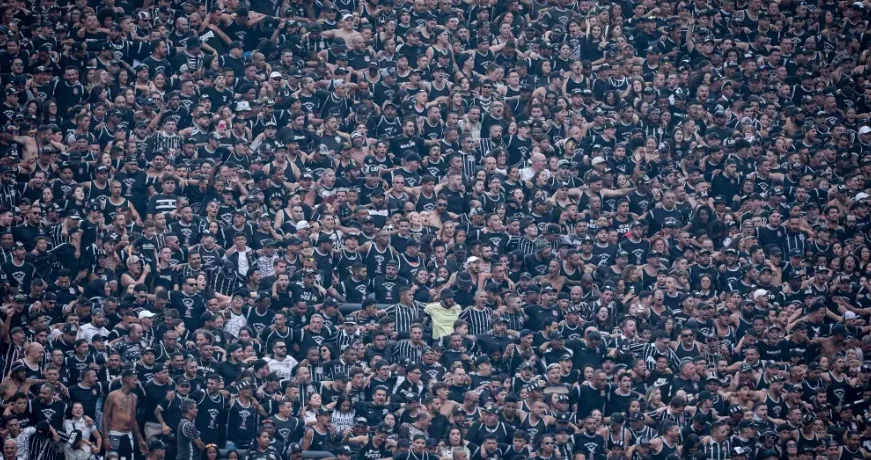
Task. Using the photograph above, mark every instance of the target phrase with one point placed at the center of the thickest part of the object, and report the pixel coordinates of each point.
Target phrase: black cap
(156, 444)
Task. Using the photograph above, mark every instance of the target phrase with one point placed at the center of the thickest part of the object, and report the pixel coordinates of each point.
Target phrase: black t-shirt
(229, 371)
(19, 275)
(540, 316)
(53, 412)
(87, 397)
(189, 307)
(155, 393)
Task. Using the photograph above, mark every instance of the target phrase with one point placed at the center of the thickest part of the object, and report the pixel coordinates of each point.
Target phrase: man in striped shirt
(468, 155)
(717, 445)
(659, 348)
(224, 280)
(410, 349)
(405, 313)
(526, 243)
(479, 316)
(493, 142)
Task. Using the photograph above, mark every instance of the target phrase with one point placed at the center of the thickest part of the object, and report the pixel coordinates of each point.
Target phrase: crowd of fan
(435, 230)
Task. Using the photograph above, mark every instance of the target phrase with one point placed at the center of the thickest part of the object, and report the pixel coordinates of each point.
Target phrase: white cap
(597, 160)
(275, 75)
(850, 315)
(865, 130)
(472, 259)
(759, 293)
(303, 224)
(347, 16)
(861, 196)
(146, 314)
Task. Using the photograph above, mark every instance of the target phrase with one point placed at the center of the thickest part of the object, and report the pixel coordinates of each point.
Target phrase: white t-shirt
(282, 368)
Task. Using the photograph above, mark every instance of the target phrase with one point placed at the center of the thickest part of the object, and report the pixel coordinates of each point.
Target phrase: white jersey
(88, 331)
(282, 368)
(235, 324)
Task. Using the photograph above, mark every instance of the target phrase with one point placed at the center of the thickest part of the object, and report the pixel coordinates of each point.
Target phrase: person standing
(187, 435)
(119, 418)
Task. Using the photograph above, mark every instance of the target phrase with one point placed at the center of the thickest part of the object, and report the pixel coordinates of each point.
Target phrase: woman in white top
(309, 412)
(455, 441)
(91, 438)
(343, 417)
(77, 448)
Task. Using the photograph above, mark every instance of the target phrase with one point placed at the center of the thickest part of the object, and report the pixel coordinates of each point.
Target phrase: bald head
(34, 348)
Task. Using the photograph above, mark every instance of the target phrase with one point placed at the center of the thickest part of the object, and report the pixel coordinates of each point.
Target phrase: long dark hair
(342, 399)
(205, 454)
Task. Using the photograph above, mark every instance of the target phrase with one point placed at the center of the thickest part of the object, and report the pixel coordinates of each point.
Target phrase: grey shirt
(187, 434)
